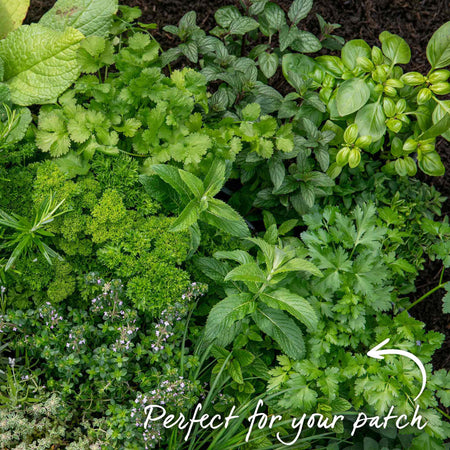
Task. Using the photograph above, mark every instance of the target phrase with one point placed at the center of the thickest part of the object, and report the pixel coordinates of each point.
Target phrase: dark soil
(414, 20)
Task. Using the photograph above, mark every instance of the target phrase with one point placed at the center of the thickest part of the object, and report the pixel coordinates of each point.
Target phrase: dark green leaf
(299, 10)
(282, 329)
(295, 305)
(268, 63)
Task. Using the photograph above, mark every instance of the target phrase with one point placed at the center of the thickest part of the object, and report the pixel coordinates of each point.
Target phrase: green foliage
(40, 61)
(257, 292)
(28, 234)
(299, 210)
(12, 15)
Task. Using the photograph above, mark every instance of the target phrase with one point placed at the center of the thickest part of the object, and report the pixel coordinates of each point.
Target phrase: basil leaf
(371, 121)
(438, 49)
(351, 96)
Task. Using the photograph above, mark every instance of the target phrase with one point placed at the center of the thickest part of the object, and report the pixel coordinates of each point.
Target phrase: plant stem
(440, 286)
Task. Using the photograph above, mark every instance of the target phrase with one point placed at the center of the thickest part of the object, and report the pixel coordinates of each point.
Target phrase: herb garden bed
(224, 213)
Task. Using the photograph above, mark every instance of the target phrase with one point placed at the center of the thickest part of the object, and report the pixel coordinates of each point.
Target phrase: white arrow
(378, 354)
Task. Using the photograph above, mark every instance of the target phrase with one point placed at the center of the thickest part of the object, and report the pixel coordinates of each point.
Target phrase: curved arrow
(378, 354)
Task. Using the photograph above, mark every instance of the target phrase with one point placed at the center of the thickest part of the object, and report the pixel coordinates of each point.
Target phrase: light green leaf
(267, 249)
(72, 164)
(215, 178)
(92, 18)
(295, 305)
(233, 227)
(249, 272)
(299, 10)
(235, 371)
(194, 183)
(371, 121)
(244, 357)
(20, 128)
(352, 50)
(395, 48)
(40, 63)
(235, 255)
(277, 172)
(268, 63)
(171, 176)
(251, 112)
(282, 329)
(439, 112)
(441, 127)
(446, 300)
(188, 217)
(298, 264)
(12, 13)
(431, 164)
(438, 49)
(351, 96)
(221, 209)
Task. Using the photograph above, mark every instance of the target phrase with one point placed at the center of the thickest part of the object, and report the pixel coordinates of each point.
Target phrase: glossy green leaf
(352, 50)
(438, 49)
(249, 272)
(306, 42)
(371, 121)
(439, 112)
(440, 127)
(395, 48)
(431, 164)
(351, 96)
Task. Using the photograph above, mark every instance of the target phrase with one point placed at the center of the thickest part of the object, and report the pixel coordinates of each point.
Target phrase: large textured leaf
(40, 63)
(223, 315)
(91, 17)
(299, 10)
(235, 227)
(12, 13)
(292, 303)
(281, 329)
